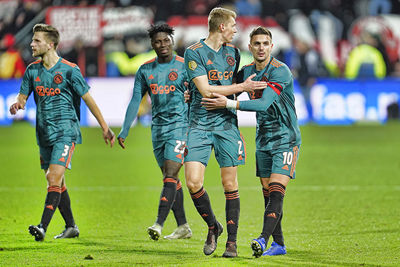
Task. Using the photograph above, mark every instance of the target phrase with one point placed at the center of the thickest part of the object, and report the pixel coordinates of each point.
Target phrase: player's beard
(39, 53)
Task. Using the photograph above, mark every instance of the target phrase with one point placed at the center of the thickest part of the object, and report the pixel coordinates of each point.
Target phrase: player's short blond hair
(260, 31)
(51, 33)
(217, 16)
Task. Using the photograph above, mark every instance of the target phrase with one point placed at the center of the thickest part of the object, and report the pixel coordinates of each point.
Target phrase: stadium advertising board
(345, 102)
(126, 20)
(338, 102)
(76, 23)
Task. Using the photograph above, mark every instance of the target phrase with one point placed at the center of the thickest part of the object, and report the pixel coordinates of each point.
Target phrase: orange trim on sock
(276, 188)
(198, 194)
(170, 180)
(231, 195)
(54, 189)
(265, 192)
(63, 189)
(178, 185)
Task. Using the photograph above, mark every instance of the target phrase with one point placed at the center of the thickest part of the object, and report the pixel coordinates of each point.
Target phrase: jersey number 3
(65, 151)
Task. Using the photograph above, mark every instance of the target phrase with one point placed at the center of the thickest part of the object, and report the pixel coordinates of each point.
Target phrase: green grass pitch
(343, 208)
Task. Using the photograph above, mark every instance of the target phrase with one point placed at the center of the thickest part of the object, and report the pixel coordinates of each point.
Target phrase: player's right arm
(19, 103)
(139, 90)
(198, 73)
(24, 92)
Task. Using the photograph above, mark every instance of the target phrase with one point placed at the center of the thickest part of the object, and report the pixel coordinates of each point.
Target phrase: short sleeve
(281, 77)
(193, 64)
(240, 76)
(79, 84)
(140, 86)
(26, 85)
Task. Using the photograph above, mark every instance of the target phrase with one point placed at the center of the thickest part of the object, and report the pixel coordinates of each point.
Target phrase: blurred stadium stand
(109, 38)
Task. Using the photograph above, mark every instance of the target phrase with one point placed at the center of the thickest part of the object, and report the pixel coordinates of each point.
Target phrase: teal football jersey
(277, 125)
(57, 93)
(220, 68)
(165, 84)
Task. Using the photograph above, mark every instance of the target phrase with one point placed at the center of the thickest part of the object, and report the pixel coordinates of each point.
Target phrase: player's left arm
(80, 87)
(108, 134)
(279, 79)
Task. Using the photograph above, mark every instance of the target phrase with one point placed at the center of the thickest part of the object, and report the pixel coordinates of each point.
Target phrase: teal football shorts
(229, 147)
(172, 148)
(60, 153)
(281, 161)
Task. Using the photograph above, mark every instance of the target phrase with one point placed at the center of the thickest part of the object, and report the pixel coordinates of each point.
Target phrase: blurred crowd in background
(315, 38)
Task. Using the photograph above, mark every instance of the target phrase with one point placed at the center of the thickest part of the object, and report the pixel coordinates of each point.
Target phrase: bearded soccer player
(212, 65)
(163, 78)
(58, 87)
(278, 135)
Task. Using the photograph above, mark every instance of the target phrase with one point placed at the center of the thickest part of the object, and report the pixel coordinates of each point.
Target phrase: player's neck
(50, 59)
(214, 41)
(260, 65)
(165, 59)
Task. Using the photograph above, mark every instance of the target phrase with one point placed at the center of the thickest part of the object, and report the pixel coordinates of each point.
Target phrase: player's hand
(218, 101)
(187, 97)
(15, 107)
(121, 142)
(109, 136)
(249, 85)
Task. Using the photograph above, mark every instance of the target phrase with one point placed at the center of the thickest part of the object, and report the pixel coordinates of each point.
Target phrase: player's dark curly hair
(154, 29)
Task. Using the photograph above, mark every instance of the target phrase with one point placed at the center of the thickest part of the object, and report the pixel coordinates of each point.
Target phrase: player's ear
(222, 27)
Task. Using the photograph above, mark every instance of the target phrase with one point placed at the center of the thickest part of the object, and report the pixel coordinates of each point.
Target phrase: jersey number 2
(180, 147)
(240, 151)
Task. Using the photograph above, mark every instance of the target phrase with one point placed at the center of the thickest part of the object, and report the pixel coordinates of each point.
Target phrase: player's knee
(230, 185)
(54, 178)
(193, 186)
